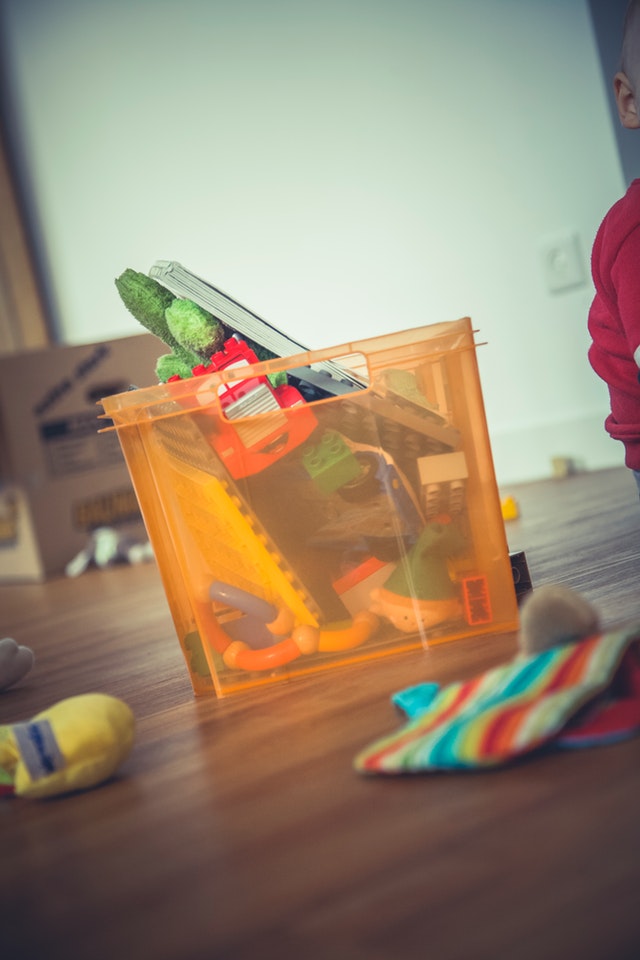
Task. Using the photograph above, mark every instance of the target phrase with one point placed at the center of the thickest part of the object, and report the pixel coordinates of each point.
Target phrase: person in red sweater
(614, 317)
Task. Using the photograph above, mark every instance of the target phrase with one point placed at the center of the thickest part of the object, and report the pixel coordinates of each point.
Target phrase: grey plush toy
(554, 614)
(15, 662)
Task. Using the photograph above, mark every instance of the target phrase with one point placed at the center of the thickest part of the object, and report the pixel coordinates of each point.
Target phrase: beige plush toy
(554, 614)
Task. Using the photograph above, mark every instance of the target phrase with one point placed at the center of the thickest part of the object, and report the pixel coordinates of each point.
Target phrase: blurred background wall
(345, 168)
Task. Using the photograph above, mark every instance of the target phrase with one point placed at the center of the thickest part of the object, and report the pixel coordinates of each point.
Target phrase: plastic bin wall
(321, 532)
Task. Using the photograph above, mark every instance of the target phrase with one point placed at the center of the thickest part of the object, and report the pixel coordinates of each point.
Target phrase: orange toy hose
(237, 654)
(364, 624)
(275, 656)
(218, 638)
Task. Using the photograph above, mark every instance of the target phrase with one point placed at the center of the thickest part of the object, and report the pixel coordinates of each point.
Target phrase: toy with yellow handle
(75, 744)
(303, 639)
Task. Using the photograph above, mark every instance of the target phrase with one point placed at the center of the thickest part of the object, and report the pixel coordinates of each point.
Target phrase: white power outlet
(562, 262)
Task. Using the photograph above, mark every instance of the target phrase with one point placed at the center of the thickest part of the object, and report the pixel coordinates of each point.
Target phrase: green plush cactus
(192, 333)
(147, 300)
(170, 365)
(194, 328)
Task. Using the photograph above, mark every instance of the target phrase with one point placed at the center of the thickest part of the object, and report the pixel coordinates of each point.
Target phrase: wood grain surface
(238, 829)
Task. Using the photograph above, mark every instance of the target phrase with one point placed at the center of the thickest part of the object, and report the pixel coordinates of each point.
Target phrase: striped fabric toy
(514, 709)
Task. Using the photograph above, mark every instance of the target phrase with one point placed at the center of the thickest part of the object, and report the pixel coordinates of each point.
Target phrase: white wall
(344, 167)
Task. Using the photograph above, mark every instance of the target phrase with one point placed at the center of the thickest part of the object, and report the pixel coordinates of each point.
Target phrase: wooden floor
(238, 828)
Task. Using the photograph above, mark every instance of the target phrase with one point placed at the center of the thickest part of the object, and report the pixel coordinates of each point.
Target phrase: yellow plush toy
(75, 744)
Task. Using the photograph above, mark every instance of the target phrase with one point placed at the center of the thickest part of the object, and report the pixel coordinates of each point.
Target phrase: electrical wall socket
(562, 262)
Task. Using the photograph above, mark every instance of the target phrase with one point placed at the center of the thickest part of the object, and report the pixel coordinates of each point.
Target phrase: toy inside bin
(296, 534)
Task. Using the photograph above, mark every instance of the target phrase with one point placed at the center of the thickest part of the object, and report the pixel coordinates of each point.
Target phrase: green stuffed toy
(192, 333)
(76, 744)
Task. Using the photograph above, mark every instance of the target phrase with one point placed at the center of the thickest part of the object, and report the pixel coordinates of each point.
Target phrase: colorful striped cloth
(503, 713)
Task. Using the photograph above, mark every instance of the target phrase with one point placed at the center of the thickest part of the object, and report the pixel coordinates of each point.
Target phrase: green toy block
(330, 463)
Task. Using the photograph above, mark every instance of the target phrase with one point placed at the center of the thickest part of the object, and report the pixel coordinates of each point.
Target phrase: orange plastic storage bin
(297, 535)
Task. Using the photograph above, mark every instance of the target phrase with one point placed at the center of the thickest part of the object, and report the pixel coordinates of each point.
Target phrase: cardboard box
(59, 478)
(295, 537)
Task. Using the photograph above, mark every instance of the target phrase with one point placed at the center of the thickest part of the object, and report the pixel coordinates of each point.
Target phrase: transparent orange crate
(297, 538)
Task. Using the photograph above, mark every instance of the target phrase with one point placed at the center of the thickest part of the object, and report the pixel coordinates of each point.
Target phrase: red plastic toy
(256, 430)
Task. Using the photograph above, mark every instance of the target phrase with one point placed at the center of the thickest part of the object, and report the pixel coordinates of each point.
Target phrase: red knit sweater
(614, 318)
